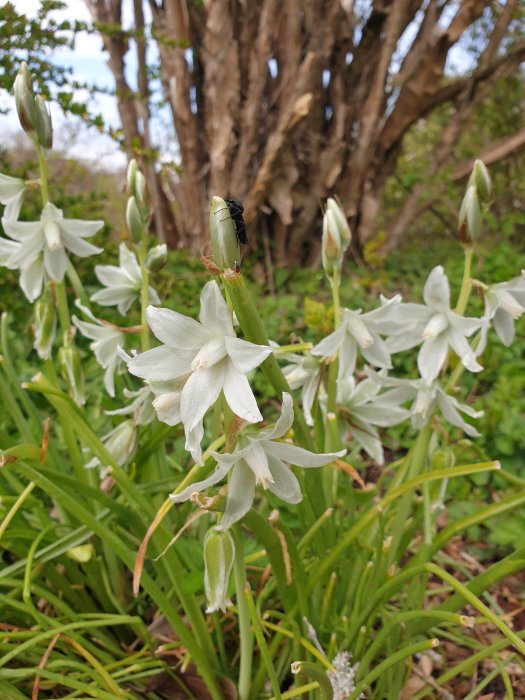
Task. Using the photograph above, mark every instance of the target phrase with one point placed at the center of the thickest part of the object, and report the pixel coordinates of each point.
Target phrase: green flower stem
(399, 619)
(392, 660)
(144, 295)
(378, 509)
(298, 692)
(254, 331)
(243, 611)
(466, 284)
(43, 172)
(334, 365)
(63, 312)
(308, 669)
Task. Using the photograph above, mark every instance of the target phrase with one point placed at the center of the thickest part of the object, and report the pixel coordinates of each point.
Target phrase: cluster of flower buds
(32, 111)
(136, 210)
(479, 192)
(336, 237)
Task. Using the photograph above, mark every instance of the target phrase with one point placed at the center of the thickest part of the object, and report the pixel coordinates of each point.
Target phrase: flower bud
(332, 247)
(44, 126)
(480, 178)
(136, 183)
(24, 99)
(469, 219)
(343, 228)
(134, 219)
(45, 328)
(443, 458)
(71, 368)
(224, 241)
(157, 257)
(219, 555)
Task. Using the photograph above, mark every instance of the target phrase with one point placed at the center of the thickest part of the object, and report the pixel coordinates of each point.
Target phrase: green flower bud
(157, 257)
(134, 219)
(345, 234)
(44, 126)
(480, 178)
(71, 368)
(45, 328)
(219, 555)
(224, 241)
(332, 247)
(469, 219)
(136, 183)
(24, 99)
(443, 458)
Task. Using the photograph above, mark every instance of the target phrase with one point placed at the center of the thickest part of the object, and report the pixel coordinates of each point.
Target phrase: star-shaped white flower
(123, 282)
(361, 332)
(41, 246)
(438, 327)
(209, 353)
(304, 371)
(11, 195)
(106, 338)
(504, 303)
(364, 408)
(260, 459)
(426, 398)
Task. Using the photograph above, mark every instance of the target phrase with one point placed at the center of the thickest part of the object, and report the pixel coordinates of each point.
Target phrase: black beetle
(236, 209)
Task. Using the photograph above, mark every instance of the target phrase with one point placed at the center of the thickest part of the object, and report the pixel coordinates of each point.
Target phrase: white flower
(123, 283)
(11, 195)
(438, 327)
(504, 303)
(361, 331)
(260, 459)
(141, 407)
(120, 443)
(107, 338)
(425, 400)
(209, 353)
(41, 245)
(303, 371)
(363, 408)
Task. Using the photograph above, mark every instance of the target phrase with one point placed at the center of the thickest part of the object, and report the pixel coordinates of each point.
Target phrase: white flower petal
(162, 363)
(299, 456)
(79, 247)
(79, 228)
(214, 314)
(244, 355)
(239, 395)
(219, 474)
(449, 406)
(129, 264)
(113, 295)
(167, 407)
(7, 250)
(283, 423)
(256, 458)
(241, 492)
(367, 437)
(463, 350)
(432, 357)
(436, 292)
(504, 326)
(383, 415)
(110, 275)
(347, 357)
(20, 230)
(32, 278)
(329, 345)
(200, 392)
(285, 485)
(55, 263)
(377, 354)
(176, 330)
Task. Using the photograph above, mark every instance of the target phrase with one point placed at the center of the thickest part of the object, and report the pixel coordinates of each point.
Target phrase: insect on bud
(45, 328)
(24, 99)
(219, 555)
(134, 220)
(157, 257)
(332, 248)
(223, 234)
(71, 368)
(480, 178)
(44, 126)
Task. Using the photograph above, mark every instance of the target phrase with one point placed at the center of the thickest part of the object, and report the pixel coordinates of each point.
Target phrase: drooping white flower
(304, 371)
(426, 398)
(438, 327)
(11, 195)
(504, 303)
(41, 246)
(208, 353)
(107, 338)
(364, 407)
(260, 459)
(361, 332)
(141, 406)
(123, 282)
(120, 443)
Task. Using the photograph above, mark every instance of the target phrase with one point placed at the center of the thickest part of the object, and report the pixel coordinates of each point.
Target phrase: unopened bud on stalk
(480, 178)
(157, 257)
(44, 126)
(45, 328)
(219, 555)
(345, 234)
(136, 183)
(71, 368)
(24, 99)
(469, 219)
(224, 241)
(134, 220)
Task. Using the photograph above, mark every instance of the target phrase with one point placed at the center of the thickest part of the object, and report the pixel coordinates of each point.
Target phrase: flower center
(52, 235)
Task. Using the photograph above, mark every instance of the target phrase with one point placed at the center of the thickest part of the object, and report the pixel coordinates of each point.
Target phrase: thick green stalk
(243, 611)
(144, 296)
(466, 285)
